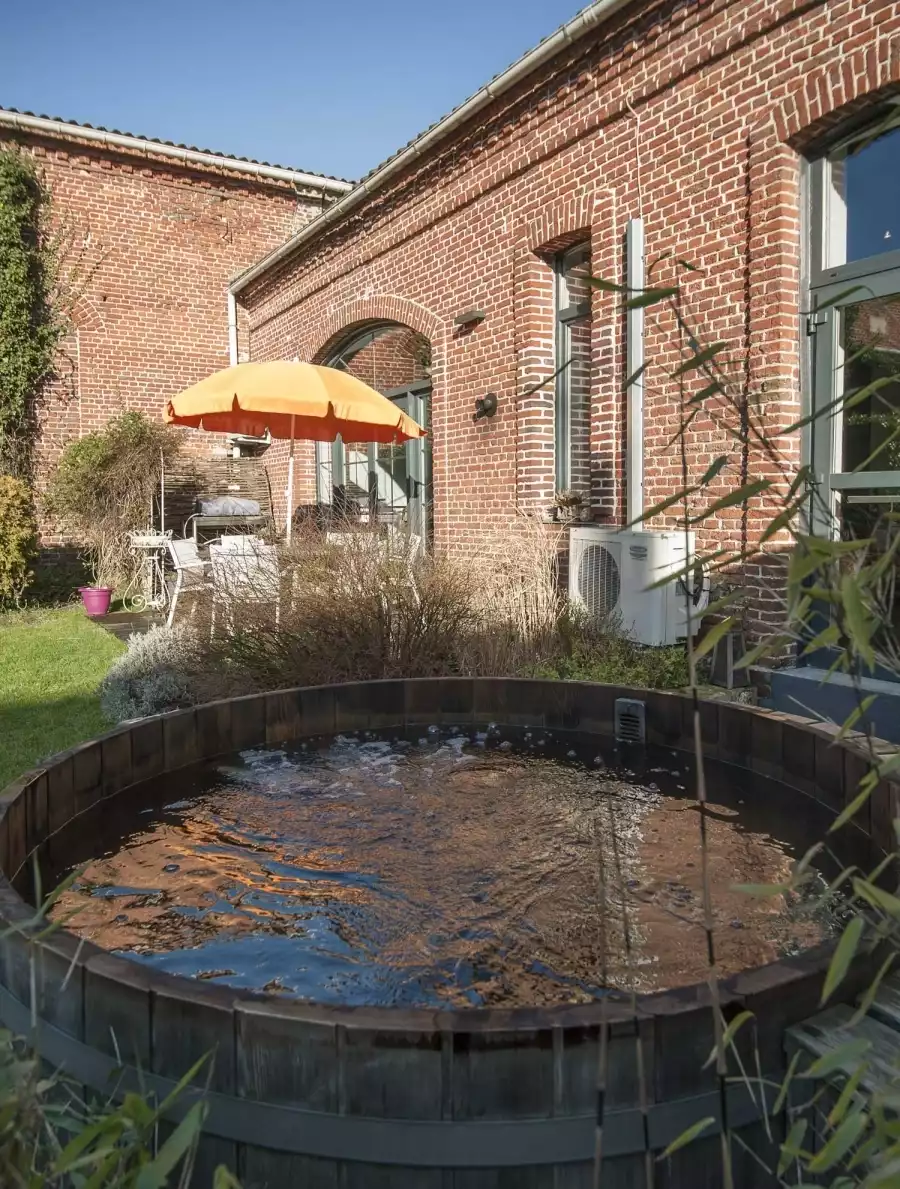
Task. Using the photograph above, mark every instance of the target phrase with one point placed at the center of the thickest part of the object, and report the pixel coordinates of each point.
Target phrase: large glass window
(854, 332)
(573, 367)
(861, 193)
(854, 323)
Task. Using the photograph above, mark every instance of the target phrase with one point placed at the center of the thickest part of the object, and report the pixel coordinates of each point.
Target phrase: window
(391, 483)
(854, 326)
(854, 332)
(571, 427)
(324, 472)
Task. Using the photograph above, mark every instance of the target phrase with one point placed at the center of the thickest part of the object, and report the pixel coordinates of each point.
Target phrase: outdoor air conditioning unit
(612, 573)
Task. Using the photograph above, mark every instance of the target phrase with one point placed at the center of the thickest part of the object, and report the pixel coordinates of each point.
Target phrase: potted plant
(566, 506)
(103, 490)
(101, 557)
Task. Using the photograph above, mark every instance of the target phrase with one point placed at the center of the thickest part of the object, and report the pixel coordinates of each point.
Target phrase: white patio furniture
(242, 542)
(244, 573)
(191, 572)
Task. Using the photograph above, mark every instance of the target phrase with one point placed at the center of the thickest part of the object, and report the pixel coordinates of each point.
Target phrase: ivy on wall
(31, 326)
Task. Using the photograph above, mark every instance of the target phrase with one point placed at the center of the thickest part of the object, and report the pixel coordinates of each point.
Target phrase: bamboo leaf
(75, 1147)
(803, 562)
(841, 958)
(889, 764)
(839, 1110)
(791, 1148)
(844, 401)
(649, 297)
(858, 621)
(827, 638)
(224, 1179)
(785, 1087)
(838, 298)
(873, 1146)
(698, 359)
(103, 1175)
(777, 523)
(872, 990)
(713, 636)
(840, 1142)
(848, 1054)
(155, 1175)
(739, 496)
(765, 648)
(606, 286)
(719, 604)
(707, 562)
(804, 475)
(858, 395)
(687, 1137)
(850, 810)
(877, 897)
(804, 865)
(728, 1036)
(677, 498)
(855, 715)
(181, 1086)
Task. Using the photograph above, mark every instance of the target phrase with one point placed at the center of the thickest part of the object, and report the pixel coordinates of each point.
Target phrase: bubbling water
(445, 870)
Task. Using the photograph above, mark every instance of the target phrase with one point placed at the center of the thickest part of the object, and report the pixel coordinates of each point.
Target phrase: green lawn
(51, 663)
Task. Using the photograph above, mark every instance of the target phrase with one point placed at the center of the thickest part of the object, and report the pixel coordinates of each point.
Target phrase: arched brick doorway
(388, 482)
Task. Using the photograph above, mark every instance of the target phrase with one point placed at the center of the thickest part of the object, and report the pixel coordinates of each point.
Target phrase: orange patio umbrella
(291, 401)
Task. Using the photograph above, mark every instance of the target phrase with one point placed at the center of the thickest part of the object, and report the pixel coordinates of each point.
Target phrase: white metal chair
(249, 575)
(241, 542)
(191, 572)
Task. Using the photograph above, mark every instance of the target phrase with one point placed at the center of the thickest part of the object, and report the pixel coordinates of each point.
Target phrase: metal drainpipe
(634, 361)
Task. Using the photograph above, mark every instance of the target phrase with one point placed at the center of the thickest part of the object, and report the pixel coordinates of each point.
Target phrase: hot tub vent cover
(631, 723)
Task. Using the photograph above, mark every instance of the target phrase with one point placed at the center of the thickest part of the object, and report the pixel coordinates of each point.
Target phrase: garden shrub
(358, 611)
(602, 652)
(52, 1138)
(104, 487)
(18, 539)
(152, 675)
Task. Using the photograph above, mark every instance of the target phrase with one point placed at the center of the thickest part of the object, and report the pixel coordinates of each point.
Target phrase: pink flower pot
(96, 599)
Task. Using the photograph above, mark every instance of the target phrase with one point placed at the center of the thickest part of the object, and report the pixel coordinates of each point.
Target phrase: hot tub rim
(734, 990)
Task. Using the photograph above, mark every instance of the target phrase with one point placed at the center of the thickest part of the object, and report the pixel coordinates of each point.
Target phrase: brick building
(155, 232)
(727, 126)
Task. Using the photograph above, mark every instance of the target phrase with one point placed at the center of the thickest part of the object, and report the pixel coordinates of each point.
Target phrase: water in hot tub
(447, 870)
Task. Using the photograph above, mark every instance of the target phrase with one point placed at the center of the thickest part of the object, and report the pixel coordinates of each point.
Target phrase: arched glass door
(387, 483)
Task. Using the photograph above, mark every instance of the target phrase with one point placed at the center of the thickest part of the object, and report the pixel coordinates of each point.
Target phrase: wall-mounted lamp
(485, 406)
(469, 318)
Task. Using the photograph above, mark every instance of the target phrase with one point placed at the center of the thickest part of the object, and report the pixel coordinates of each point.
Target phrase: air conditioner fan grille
(599, 583)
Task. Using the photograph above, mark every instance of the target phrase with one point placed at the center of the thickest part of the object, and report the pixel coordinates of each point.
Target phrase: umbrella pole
(290, 486)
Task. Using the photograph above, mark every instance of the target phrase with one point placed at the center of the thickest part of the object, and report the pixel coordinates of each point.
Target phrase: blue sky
(333, 88)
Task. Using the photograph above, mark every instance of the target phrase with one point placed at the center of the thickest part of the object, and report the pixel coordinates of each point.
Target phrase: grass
(51, 663)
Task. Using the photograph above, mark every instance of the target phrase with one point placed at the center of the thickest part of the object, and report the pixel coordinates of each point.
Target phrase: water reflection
(438, 871)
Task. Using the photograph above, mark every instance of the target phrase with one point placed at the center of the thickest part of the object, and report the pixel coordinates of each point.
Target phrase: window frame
(564, 317)
(831, 288)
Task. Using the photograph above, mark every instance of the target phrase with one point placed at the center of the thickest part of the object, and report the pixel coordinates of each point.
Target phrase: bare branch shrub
(104, 487)
(353, 606)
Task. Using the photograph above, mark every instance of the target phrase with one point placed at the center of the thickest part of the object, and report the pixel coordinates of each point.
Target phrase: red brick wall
(693, 114)
(157, 243)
